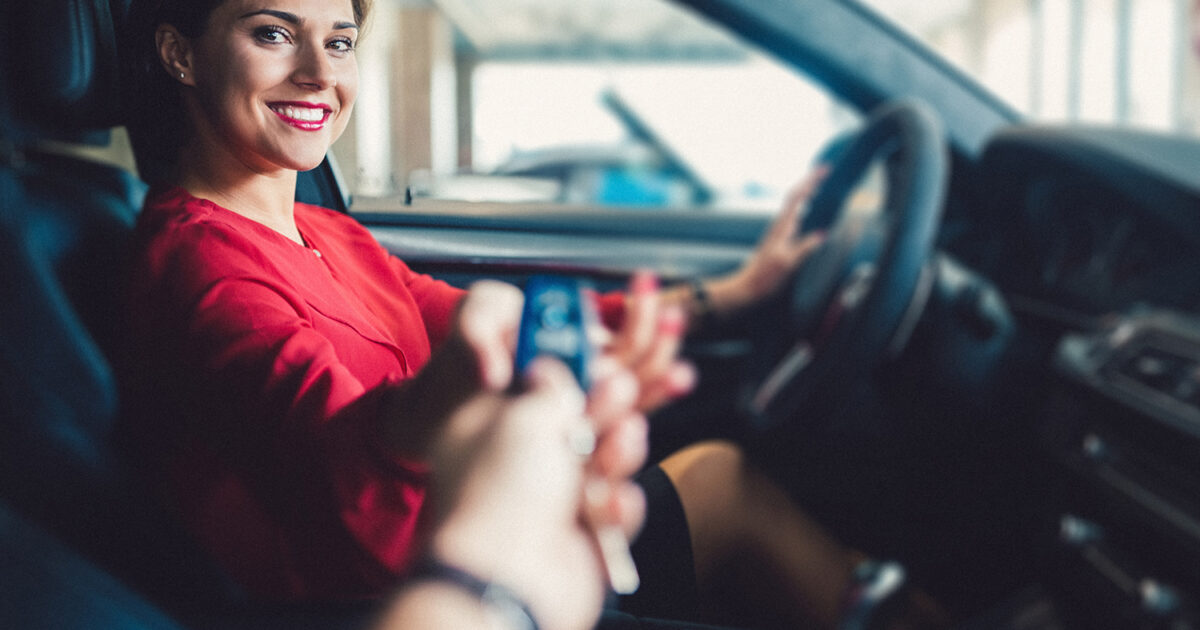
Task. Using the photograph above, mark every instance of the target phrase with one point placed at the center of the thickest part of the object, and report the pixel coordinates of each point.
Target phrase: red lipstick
(301, 115)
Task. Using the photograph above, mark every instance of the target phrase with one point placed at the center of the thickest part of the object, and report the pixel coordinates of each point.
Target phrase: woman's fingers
(805, 246)
(679, 379)
(787, 222)
(641, 318)
(621, 431)
(662, 375)
(630, 506)
(663, 348)
(488, 322)
(779, 252)
(799, 194)
(649, 342)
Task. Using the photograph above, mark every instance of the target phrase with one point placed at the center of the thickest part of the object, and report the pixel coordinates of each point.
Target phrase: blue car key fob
(555, 322)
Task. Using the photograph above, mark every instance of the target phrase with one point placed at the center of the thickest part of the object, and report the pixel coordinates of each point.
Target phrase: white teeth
(303, 114)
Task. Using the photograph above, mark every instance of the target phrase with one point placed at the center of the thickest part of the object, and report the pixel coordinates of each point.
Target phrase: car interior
(991, 374)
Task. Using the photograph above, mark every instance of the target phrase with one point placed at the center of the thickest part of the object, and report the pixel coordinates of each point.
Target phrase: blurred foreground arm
(517, 499)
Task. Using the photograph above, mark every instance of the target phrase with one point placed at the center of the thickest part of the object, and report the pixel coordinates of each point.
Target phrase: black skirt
(663, 554)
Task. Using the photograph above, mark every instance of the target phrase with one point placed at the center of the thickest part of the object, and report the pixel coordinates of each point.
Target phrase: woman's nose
(314, 69)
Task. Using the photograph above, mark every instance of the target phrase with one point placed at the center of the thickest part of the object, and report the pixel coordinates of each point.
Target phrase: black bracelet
(501, 599)
(704, 314)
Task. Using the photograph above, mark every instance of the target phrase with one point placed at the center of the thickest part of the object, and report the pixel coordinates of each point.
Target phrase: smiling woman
(271, 90)
(289, 378)
(157, 130)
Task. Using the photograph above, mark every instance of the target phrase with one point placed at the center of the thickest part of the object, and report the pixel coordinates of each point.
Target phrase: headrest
(60, 70)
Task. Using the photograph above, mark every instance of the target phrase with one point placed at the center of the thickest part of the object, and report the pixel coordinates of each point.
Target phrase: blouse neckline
(175, 190)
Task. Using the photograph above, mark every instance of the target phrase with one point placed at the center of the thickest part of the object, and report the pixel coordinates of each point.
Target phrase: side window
(1128, 63)
(635, 104)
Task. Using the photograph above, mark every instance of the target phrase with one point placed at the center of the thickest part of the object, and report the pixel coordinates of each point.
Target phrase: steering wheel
(854, 302)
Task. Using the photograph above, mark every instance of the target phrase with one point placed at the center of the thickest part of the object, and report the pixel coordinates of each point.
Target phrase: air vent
(1167, 372)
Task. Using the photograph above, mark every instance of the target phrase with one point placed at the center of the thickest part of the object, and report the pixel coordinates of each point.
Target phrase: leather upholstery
(61, 58)
(47, 585)
(64, 224)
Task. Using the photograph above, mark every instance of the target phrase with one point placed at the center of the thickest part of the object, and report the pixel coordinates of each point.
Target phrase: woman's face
(275, 80)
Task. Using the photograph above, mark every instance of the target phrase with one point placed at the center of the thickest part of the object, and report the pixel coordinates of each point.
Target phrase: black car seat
(82, 543)
(49, 586)
(64, 221)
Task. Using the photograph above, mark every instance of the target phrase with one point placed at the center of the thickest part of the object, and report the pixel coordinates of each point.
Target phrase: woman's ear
(175, 53)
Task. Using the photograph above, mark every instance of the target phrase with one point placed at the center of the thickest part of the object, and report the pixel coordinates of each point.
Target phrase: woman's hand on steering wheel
(779, 253)
(649, 340)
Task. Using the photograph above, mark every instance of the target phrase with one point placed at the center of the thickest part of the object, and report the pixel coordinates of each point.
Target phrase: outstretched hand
(515, 498)
(519, 503)
(477, 357)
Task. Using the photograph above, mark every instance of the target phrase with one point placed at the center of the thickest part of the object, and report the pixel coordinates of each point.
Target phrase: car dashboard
(1094, 239)
(1094, 221)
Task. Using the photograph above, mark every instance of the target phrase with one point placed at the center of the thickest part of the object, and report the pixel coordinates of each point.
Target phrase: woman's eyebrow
(292, 18)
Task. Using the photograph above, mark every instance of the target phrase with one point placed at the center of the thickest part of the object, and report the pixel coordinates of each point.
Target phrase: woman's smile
(304, 116)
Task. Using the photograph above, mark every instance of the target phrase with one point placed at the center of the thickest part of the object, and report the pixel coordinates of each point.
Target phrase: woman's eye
(341, 45)
(271, 35)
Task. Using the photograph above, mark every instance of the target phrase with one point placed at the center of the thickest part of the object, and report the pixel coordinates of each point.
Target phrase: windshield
(622, 103)
(1114, 62)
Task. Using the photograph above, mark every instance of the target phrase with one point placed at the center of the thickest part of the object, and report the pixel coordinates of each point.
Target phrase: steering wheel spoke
(787, 370)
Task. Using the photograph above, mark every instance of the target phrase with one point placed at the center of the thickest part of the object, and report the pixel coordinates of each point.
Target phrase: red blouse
(256, 375)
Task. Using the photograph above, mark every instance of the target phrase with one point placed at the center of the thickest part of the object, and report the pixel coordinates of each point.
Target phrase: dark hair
(153, 109)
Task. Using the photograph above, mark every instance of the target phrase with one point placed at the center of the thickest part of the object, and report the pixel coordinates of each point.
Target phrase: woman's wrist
(701, 312)
(717, 299)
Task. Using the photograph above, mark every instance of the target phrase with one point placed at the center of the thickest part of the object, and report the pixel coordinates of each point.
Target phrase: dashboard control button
(1078, 532)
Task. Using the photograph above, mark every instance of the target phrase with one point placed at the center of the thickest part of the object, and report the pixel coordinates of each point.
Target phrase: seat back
(47, 585)
(64, 223)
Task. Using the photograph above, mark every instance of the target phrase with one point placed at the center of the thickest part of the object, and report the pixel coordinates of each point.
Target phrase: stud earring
(181, 75)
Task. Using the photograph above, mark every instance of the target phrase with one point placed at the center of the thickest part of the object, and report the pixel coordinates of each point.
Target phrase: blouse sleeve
(274, 361)
(437, 299)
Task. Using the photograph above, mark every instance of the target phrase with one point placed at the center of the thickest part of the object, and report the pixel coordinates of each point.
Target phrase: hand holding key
(532, 485)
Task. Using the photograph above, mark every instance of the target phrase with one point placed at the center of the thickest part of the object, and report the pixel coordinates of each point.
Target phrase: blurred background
(639, 103)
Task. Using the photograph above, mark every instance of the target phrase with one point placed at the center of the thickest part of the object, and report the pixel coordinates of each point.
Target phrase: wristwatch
(703, 314)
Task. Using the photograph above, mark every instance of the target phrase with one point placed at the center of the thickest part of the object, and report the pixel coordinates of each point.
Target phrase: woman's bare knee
(708, 478)
(707, 473)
